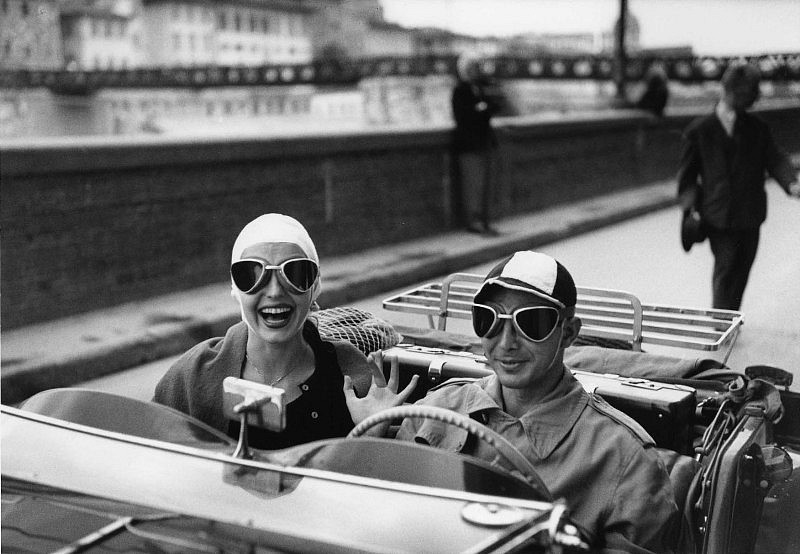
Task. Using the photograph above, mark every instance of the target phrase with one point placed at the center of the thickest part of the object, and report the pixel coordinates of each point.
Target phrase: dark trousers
(734, 252)
(475, 175)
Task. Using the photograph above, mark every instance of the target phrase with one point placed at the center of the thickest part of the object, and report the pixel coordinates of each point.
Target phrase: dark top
(473, 131)
(320, 412)
(654, 99)
(194, 383)
(724, 176)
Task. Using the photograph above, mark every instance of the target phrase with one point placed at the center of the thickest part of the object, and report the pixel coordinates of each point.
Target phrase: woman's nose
(273, 287)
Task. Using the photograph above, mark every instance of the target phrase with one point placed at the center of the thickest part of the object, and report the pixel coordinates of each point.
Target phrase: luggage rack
(605, 314)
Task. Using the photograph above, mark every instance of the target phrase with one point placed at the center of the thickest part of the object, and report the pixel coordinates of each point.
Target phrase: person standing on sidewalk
(474, 143)
(656, 92)
(721, 175)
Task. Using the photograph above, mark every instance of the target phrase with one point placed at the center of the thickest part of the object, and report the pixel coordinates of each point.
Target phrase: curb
(172, 338)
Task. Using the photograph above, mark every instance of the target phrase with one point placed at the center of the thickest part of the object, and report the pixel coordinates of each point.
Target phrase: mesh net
(362, 329)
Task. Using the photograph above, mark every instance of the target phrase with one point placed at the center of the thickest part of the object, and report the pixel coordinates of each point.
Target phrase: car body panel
(326, 511)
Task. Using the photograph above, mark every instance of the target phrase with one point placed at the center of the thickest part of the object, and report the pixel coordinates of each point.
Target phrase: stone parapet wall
(97, 221)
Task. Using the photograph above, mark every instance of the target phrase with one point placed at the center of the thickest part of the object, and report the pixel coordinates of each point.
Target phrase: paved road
(643, 256)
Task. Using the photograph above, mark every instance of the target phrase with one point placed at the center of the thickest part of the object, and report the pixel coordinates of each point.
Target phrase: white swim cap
(274, 228)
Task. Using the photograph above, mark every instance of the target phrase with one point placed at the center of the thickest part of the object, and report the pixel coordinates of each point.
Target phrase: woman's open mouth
(276, 316)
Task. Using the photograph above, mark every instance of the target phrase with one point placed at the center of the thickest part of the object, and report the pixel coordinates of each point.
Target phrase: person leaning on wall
(474, 143)
(656, 91)
(722, 175)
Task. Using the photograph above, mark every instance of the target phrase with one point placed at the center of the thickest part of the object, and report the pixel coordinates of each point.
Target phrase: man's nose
(507, 336)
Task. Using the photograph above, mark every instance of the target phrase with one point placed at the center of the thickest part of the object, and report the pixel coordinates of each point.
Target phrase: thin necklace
(274, 381)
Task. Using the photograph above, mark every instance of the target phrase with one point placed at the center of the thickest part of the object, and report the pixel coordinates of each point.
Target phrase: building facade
(30, 36)
(265, 32)
(100, 35)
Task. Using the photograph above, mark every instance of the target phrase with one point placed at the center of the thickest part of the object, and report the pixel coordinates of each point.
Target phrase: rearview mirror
(264, 406)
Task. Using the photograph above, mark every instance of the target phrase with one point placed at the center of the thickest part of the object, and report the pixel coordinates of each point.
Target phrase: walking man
(721, 175)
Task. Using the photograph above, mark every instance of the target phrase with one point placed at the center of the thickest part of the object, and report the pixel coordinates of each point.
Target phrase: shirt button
(314, 415)
(304, 387)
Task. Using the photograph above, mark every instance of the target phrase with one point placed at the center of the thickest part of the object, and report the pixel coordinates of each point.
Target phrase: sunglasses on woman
(535, 323)
(298, 274)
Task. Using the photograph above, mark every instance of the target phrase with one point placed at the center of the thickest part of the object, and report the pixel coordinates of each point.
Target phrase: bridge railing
(774, 67)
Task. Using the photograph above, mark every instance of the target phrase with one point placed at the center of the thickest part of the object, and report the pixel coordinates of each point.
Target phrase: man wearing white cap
(601, 461)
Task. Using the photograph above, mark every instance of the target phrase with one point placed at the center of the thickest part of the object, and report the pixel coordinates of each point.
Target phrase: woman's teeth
(276, 314)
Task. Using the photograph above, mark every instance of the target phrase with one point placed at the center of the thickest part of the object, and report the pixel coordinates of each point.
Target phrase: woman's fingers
(376, 366)
(347, 388)
(394, 372)
(406, 392)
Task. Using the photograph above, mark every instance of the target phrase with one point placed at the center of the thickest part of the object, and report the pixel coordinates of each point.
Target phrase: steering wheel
(492, 438)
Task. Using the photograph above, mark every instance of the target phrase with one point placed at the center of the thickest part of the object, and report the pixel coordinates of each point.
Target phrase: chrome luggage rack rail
(606, 314)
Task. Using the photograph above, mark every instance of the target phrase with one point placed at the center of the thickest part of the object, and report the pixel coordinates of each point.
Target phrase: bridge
(780, 67)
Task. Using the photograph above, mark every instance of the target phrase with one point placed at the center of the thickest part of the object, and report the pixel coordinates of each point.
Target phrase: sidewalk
(66, 351)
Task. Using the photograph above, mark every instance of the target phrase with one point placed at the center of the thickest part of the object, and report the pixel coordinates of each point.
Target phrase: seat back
(682, 471)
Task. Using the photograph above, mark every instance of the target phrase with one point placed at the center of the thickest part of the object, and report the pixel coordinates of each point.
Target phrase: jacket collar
(546, 423)
(726, 117)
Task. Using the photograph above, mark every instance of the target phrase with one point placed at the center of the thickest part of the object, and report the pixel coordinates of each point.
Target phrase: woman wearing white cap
(275, 278)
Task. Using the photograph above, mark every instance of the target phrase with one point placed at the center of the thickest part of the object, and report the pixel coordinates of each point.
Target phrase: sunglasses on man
(298, 274)
(535, 323)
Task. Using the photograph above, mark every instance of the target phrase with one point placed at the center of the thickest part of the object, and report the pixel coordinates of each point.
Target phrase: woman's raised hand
(381, 394)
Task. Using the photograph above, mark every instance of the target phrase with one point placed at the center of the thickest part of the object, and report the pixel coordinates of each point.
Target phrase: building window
(237, 21)
(176, 41)
(4, 6)
(222, 21)
(191, 43)
(25, 9)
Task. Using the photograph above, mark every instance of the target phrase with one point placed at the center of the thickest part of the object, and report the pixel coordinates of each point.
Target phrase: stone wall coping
(103, 153)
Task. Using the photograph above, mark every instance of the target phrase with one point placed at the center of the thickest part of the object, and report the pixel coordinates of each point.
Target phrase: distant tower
(632, 33)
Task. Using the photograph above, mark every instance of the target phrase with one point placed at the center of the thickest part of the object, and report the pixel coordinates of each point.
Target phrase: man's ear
(572, 326)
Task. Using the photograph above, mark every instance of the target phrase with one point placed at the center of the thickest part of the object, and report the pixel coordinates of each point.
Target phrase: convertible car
(90, 471)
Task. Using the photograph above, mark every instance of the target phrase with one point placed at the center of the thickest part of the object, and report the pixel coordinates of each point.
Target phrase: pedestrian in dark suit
(473, 144)
(722, 172)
